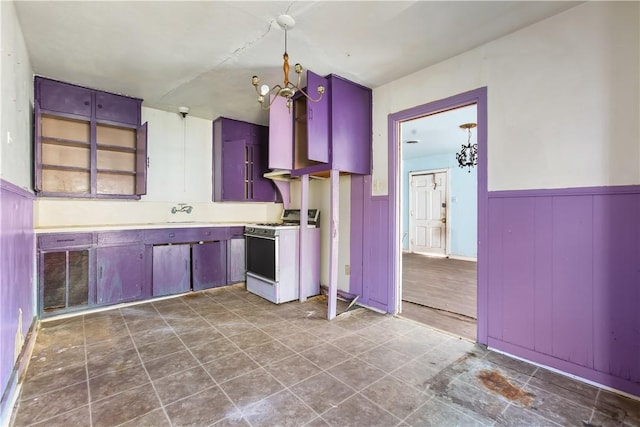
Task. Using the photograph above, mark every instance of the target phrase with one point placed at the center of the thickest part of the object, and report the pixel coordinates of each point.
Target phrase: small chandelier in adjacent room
(468, 155)
(288, 89)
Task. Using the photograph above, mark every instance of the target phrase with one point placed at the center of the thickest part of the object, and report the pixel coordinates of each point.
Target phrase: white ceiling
(202, 54)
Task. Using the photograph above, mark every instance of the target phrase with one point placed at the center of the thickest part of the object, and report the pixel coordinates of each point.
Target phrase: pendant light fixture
(468, 155)
(288, 89)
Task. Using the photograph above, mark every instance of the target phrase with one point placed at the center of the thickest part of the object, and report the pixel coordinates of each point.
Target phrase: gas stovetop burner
(271, 224)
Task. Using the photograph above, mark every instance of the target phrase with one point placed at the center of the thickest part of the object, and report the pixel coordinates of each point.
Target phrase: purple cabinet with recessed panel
(333, 133)
(120, 273)
(63, 97)
(87, 143)
(236, 265)
(209, 265)
(171, 269)
(239, 162)
(116, 108)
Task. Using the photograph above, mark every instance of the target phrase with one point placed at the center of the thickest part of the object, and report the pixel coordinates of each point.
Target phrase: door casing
(478, 97)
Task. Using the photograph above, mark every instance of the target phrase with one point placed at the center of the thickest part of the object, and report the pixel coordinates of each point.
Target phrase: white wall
(320, 198)
(179, 171)
(563, 100)
(16, 101)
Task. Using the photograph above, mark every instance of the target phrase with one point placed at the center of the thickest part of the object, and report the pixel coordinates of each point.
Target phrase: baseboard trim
(14, 385)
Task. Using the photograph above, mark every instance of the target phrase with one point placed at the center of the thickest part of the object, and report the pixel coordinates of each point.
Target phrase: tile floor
(228, 358)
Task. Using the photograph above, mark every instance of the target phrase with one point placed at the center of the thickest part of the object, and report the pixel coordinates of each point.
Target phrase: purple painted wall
(371, 261)
(564, 280)
(17, 258)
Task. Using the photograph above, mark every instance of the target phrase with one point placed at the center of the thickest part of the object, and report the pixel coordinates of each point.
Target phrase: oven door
(262, 257)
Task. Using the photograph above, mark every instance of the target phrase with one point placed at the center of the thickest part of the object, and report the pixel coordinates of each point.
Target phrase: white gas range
(273, 258)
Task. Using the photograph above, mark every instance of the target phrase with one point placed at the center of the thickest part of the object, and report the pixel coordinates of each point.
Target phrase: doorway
(428, 212)
(438, 256)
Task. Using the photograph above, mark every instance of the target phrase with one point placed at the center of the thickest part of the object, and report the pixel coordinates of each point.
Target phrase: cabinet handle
(186, 265)
(310, 113)
(65, 240)
(100, 273)
(172, 234)
(86, 103)
(99, 105)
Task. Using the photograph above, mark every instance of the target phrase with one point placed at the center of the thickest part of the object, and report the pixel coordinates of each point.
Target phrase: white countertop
(115, 227)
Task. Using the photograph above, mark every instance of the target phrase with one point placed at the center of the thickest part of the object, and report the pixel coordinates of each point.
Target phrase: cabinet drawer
(116, 108)
(118, 237)
(63, 98)
(186, 235)
(64, 240)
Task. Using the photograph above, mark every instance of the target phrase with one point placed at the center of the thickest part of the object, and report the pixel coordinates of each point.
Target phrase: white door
(428, 213)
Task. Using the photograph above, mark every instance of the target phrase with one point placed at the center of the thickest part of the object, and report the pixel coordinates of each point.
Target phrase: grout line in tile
(86, 367)
(215, 382)
(135, 346)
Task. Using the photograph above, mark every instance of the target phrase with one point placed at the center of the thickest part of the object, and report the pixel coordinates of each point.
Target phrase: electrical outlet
(347, 269)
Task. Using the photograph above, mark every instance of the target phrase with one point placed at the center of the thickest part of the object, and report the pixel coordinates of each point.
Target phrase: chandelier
(468, 155)
(288, 89)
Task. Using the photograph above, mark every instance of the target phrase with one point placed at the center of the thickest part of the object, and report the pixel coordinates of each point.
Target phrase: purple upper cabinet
(333, 133)
(351, 126)
(141, 160)
(37, 150)
(317, 120)
(117, 109)
(120, 273)
(235, 184)
(239, 162)
(209, 265)
(280, 135)
(61, 97)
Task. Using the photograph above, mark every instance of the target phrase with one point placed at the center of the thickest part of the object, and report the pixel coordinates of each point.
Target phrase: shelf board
(65, 142)
(116, 148)
(65, 168)
(116, 172)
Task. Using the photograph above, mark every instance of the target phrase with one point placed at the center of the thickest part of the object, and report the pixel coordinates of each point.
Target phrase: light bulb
(264, 89)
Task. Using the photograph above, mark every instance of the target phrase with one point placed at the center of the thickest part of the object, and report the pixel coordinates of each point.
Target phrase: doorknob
(444, 220)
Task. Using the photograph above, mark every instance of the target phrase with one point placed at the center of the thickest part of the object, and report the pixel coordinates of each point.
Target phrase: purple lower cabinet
(17, 258)
(236, 266)
(171, 269)
(120, 273)
(209, 265)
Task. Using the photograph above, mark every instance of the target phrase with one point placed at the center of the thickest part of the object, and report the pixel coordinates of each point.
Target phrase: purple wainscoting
(17, 260)
(564, 280)
(371, 261)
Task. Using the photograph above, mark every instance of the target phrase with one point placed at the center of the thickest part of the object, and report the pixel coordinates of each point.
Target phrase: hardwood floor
(440, 292)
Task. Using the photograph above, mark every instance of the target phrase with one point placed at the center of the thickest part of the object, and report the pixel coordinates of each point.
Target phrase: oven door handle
(260, 237)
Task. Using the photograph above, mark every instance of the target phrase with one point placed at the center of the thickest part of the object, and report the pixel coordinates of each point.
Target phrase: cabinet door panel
(65, 280)
(54, 280)
(209, 265)
(37, 150)
(120, 273)
(116, 108)
(141, 160)
(234, 170)
(351, 126)
(235, 260)
(171, 269)
(263, 188)
(64, 98)
(317, 120)
(280, 135)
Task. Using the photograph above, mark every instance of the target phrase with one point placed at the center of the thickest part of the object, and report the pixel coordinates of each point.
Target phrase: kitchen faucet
(182, 207)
